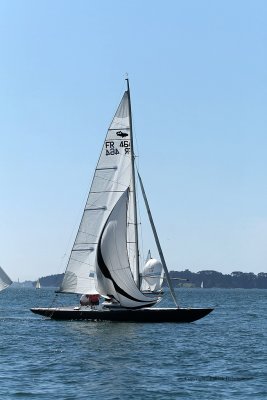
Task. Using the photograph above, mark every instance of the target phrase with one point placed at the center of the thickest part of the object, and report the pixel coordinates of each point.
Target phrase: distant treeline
(214, 279)
(51, 280)
(210, 279)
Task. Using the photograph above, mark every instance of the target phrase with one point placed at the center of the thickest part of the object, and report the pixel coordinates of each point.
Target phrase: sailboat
(152, 276)
(38, 284)
(5, 281)
(104, 260)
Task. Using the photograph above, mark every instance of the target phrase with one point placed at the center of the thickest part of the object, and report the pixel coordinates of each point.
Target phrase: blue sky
(198, 80)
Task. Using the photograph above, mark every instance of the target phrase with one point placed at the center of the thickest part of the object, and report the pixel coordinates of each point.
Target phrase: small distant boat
(202, 285)
(104, 260)
(5, 281)
(38, 284)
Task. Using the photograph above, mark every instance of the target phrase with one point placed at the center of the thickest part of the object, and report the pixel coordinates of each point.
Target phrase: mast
(158, 243)
(137, 268)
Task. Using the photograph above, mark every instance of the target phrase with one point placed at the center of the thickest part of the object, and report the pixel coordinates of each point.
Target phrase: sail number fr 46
(124, 148)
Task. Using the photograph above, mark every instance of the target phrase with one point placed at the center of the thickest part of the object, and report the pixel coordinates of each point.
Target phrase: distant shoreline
(208, 278)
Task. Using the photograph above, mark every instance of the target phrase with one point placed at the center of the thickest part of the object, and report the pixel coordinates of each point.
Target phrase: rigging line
(158, 243)
(110, 180)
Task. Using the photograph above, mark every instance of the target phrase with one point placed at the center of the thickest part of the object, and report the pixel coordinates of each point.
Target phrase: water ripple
(219, 357)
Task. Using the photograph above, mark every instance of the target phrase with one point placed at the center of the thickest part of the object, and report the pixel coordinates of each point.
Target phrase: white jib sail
(114, 276)
(5, 281)
(152, 276)
(112, 177)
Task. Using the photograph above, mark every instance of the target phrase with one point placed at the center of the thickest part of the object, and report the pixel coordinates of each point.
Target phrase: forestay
(114, 276)
(113, 175)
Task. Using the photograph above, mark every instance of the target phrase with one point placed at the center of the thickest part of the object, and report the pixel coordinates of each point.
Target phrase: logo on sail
(121, 134)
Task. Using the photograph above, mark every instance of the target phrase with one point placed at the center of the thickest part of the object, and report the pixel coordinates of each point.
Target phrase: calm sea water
(222, 356)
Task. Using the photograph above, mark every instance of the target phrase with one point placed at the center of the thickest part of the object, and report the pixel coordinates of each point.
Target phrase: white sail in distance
(113, 175)
(5, 281)
(152, 276)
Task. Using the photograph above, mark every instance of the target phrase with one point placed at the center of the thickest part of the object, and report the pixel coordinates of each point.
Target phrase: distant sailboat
(5, 281)
(202, 285)
(105, 256)
(38, 284)
(152, 276)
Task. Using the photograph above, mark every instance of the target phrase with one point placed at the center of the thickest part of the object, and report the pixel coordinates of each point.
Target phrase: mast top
(127, 80)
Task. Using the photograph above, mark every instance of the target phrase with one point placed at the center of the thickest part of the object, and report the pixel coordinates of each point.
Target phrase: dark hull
(121, 315)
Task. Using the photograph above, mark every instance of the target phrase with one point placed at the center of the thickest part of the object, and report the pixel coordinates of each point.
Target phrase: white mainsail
(114, 276)
(38, 284)
(5, 281)
(113, 175)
